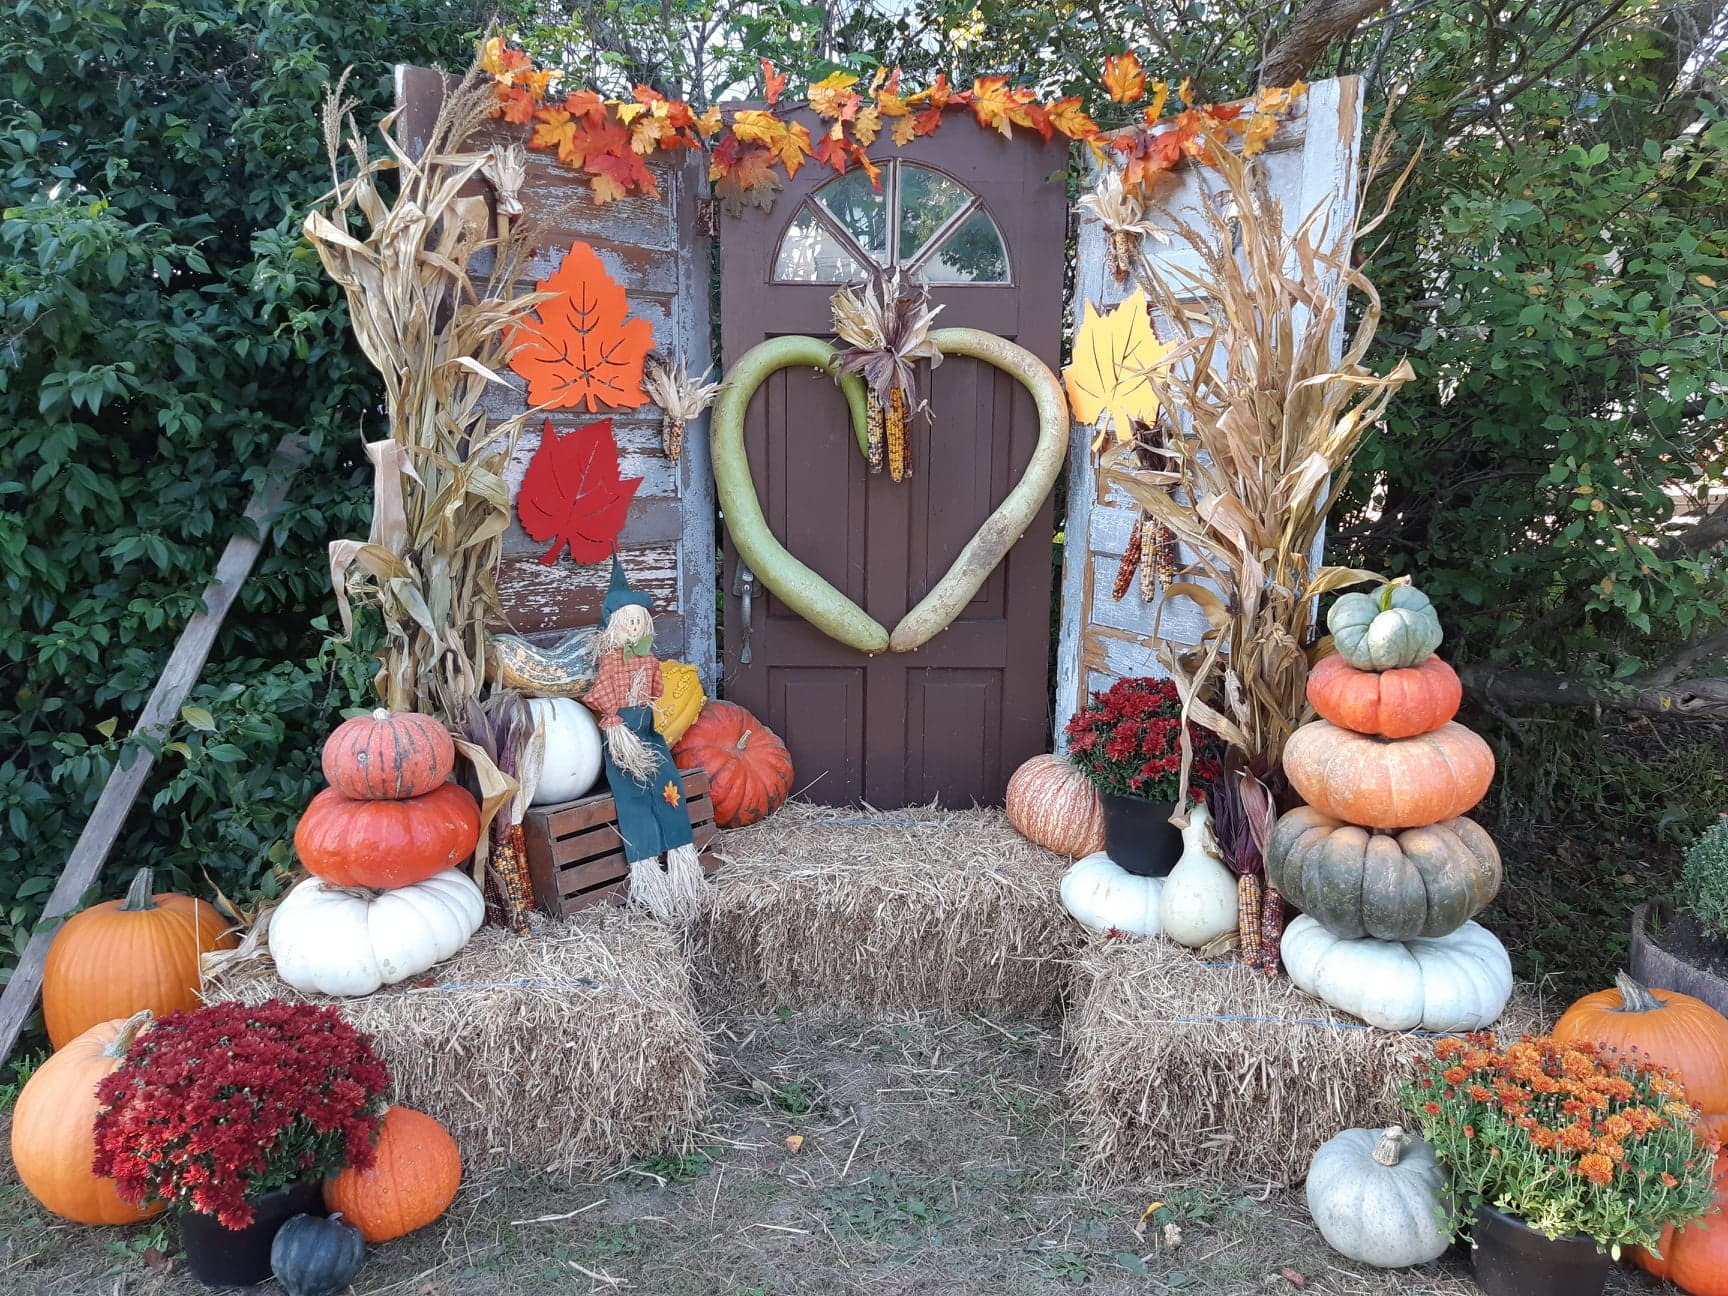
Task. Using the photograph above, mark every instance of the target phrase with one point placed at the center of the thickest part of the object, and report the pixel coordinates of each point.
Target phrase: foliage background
(1553, 272)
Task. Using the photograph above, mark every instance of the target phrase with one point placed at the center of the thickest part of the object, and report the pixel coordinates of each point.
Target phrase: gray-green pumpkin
(1375, 1196)
(1392, 628)
(315, 1256)
(1359, 882)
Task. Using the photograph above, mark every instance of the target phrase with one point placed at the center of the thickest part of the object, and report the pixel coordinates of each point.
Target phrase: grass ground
(897, 1159)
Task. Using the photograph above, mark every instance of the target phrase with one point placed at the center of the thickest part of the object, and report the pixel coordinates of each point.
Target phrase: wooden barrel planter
(1652, 965)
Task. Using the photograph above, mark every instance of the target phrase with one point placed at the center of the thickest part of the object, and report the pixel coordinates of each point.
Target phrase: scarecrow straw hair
(571, 1050)
(909, 911)
(432, 299)
(1182, 1067)
(1269, 426)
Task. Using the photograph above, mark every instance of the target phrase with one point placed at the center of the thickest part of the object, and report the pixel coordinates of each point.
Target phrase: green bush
(162, 326)
(1704, 880)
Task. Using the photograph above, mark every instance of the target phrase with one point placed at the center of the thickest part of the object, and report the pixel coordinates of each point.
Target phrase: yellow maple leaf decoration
(1108, 374)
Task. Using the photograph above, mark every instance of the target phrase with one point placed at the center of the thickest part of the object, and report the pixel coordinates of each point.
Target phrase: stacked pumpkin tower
(1382, 861)
(383, 843)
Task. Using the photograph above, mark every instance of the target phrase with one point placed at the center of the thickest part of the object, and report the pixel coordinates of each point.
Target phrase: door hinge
(708, 217)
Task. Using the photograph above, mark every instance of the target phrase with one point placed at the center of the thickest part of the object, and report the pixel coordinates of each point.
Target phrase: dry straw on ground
(1184, 1067)
(908, 911)
(571, 1050)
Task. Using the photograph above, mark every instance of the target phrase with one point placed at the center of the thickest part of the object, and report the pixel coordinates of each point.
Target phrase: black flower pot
(219, 1256)
(1512, 1259)
(1139, 836)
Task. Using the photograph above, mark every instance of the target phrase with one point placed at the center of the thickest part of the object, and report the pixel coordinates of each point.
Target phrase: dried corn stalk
(680, 399)
(1271, 423)
(432, 299)
(886, 327)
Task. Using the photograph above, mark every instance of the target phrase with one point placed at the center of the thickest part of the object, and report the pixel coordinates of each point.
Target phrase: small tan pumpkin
(1052, 803)
(1389, 783)
(1358, 882)
(53, 1128)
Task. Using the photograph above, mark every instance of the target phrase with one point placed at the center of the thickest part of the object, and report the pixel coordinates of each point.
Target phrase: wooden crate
(576, 857)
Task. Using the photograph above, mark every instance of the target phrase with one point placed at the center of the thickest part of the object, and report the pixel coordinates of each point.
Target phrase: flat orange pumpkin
(1392, 704)
(1388, 783)
(387, 844)
(1673, 1030)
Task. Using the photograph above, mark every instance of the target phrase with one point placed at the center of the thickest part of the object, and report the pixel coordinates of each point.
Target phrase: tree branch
(1316, 25)
(1696, 699)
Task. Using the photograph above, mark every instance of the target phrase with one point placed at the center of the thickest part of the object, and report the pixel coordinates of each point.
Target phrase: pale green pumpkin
(1388, 630)
(1375, 1197)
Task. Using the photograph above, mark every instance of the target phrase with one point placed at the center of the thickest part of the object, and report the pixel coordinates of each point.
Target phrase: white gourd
(1106, 897)
(1458, 982)
(571, 764)
(1199, 901)
(339, 941)
(1375, 1197)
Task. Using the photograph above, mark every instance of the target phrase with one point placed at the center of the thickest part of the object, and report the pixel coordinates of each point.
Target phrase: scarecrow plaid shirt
(618, 684)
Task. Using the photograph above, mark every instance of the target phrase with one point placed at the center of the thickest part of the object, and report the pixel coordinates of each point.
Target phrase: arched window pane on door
(920, 220)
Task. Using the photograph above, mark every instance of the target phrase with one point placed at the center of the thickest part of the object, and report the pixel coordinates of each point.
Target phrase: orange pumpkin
(1052, 803)
(749, 769)
(412, 1181)
(53, 1128)
(1695, 1259)
(387, 844)
(1674, 1030)
(1388, 783)
(121, 956)
(388, 756)
(1393, 703)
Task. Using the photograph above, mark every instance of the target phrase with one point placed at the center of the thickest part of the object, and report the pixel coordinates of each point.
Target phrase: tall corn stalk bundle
(1268, 424)
(432, 299)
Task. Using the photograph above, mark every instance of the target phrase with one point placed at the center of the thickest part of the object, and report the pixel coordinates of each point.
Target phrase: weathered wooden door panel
(650, 246)
(985, 220)
(1310, 165)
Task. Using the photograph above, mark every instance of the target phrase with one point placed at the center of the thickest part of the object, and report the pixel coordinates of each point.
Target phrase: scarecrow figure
(645, 784)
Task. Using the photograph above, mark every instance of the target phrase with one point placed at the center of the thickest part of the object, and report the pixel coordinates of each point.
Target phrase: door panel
(951, 721)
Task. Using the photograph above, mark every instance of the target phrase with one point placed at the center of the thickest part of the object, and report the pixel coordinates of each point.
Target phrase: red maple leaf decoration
(572, 493)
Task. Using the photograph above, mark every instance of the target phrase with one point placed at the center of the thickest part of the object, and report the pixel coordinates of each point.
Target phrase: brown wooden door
(983, 220)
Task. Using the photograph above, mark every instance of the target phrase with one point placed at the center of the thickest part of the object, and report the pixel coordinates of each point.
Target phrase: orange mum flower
(1597, 1168)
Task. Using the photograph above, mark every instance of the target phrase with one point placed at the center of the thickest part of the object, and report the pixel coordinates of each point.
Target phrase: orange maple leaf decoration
(1124, 78)
(579, 349)
(670, 792)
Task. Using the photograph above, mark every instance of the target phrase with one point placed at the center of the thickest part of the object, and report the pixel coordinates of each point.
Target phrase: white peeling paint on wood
(539, 596)
(1311, 161)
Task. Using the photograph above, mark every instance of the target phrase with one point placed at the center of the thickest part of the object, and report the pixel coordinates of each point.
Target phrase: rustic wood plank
(160, 711)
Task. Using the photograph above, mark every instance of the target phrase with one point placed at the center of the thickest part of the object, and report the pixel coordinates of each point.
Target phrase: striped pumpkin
(388, 756)
(1052, 803)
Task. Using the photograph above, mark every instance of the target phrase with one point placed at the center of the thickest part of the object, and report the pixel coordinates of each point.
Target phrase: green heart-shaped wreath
(807, 593)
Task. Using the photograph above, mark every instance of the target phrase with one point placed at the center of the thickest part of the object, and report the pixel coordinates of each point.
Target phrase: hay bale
(572, 1049)
(881, 913)
(1184, 1067)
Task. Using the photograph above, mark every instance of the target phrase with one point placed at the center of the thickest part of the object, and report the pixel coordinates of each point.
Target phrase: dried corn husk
(886, 327)
(1123, 217)
(438, 328)
(679, 397)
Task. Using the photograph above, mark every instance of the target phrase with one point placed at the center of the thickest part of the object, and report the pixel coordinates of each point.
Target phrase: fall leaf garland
(610, 140)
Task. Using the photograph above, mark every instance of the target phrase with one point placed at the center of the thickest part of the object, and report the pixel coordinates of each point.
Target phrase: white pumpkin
(336, 941)
(1457, 982)
(1107, 897)
(1199, 902)
(571, 764)
(1375, 1197)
